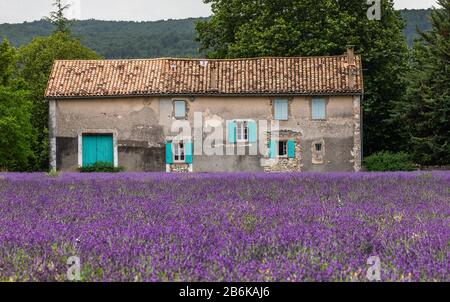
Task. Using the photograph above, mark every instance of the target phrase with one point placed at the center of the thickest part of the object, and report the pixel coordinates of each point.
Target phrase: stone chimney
(351, 63)
(213, 78)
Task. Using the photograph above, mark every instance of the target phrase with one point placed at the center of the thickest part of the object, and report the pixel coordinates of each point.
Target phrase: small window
(281, 108)
(282, 149)
(318, 147)
(179, 155)
(318, 109)
(242, 131)
(180, 109)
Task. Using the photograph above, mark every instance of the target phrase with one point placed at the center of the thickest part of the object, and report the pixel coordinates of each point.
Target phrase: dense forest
(118, 39)
(171, 38)
(415, 19)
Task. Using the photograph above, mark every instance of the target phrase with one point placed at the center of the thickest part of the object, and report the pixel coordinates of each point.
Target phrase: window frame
(285, 148)
(242, 131)
(318, 147)
(175, 101)
(325, 104)
(181, 152)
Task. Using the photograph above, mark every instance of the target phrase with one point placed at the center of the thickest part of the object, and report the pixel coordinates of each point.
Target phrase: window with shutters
(281, 109)
(282, 149)
(242, 132)
(318, 109)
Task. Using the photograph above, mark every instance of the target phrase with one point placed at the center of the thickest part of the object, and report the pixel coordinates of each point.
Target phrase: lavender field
(223, 227)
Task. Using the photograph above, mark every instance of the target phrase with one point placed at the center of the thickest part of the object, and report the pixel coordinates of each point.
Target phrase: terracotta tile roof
(258, 76)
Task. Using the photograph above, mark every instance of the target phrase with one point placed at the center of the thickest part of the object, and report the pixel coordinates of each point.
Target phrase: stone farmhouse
(123, 112)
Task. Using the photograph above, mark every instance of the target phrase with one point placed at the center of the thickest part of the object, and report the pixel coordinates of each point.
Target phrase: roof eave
(350, 93)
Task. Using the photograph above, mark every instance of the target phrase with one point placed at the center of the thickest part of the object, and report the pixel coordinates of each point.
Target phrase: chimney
(351, 63)
(213, 77)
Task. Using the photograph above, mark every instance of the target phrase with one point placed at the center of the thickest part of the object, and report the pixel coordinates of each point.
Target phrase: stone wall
(285, 164)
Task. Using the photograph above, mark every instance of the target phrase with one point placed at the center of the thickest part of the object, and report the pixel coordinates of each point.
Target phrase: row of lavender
(225, 227)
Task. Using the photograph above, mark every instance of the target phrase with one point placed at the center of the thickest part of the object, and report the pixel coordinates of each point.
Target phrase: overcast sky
(17, 11)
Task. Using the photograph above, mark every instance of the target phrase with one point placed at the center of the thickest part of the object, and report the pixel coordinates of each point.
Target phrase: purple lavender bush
(225, 227)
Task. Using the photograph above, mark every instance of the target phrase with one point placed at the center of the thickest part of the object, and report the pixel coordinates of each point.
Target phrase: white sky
(17, 11)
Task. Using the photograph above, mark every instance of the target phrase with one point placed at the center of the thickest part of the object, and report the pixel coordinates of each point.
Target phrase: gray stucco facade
(141, 128)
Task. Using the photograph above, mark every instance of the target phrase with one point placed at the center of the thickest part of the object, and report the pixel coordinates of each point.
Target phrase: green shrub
(101, 167)
(53, 173)
(388, 161)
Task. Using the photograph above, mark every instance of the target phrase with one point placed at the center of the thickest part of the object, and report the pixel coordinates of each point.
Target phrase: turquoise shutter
(252, 132)
(291, 149)
(231, 131)
(188, 151)
(169, 155)
(272, 149)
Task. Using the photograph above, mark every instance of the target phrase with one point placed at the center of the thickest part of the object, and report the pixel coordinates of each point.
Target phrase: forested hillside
(171, 38)
(113, 39)
(415, 19)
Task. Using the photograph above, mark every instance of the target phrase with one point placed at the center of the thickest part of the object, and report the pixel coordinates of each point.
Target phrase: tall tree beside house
(320, 27)
(427, 110)
(36, 60)
(17, 134)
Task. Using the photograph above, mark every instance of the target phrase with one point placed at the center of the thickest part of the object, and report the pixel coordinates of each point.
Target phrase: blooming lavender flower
(225, 227)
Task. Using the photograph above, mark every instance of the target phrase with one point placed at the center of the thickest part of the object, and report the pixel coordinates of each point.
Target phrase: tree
(37, 60)
(427, 109)
(7, 62)
(58, 19)
(320, 27)
(17, 133)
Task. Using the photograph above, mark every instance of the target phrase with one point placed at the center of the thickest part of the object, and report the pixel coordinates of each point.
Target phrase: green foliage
(7, 62)
(320, 27)
(101, 167)
(36, 60)
(415, 19)
(427, 109)
(171, 38)
(58, 19)
(388, 161)
(119, 39)
(17, 135)
(53, 173)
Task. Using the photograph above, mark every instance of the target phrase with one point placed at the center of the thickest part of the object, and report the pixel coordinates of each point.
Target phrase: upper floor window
(179, 109)
(281, 108)
(318, 109)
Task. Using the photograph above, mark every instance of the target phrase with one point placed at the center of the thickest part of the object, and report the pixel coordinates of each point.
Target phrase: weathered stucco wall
(142, 126)
(140, 139)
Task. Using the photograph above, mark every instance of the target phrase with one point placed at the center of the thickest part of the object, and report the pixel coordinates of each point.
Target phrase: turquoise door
(97, 148)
